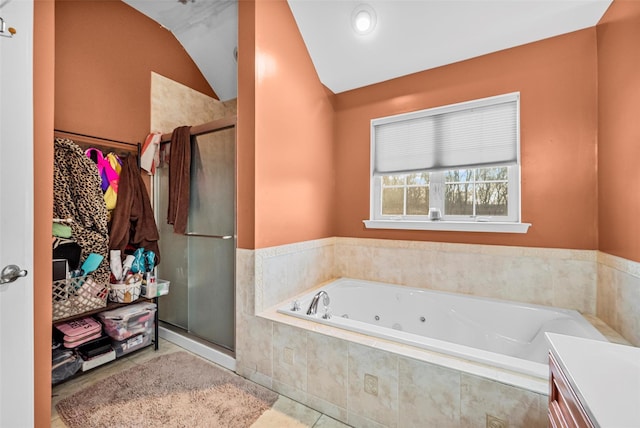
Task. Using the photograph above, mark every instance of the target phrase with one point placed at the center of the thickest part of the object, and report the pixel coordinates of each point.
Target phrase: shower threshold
(207, 350)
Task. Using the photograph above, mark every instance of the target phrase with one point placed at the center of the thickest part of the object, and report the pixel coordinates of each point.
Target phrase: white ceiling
(208, 30)
(410, 35)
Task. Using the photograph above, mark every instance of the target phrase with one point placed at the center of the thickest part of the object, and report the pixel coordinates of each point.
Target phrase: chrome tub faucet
(313, 307)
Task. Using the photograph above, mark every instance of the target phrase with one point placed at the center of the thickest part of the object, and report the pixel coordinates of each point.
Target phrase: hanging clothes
(150, 155)
(77, 194)
(179, 179)
(133, 222)
(109, 167)
(112, 171)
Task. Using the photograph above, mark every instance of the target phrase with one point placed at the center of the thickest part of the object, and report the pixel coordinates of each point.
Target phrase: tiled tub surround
(618, 297)
(339, 372)
(553, 277)
(498, 333)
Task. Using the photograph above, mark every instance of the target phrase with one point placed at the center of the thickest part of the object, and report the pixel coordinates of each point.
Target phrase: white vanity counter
(604, 376)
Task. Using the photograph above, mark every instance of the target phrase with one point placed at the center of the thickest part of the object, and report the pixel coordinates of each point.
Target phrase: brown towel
(133, 222)
(179, 179)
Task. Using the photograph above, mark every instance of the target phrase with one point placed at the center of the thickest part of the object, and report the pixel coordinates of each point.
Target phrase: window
(405, 194)
(461, 161)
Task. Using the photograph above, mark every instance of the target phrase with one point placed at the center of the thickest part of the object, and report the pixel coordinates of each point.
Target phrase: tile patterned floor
(285, 413)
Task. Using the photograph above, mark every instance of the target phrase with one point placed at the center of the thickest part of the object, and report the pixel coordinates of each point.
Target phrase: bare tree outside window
(477, 192)
(467, 193)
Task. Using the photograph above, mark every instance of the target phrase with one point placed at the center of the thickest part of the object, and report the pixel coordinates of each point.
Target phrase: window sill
(451, 226)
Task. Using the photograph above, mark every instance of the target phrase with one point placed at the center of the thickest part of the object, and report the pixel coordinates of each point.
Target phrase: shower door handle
(204, 235)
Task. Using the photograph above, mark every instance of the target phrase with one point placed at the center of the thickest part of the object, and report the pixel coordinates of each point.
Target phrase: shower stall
(201, 263)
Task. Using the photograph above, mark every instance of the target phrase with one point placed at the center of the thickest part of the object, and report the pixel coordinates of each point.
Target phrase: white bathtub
(499, 333)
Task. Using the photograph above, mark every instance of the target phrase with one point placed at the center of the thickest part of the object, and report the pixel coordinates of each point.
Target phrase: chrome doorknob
(10, 273)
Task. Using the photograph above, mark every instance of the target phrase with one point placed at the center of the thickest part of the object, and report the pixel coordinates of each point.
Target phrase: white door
(16, 214)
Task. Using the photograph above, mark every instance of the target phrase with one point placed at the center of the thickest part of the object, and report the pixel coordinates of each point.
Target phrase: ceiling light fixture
(363, 19)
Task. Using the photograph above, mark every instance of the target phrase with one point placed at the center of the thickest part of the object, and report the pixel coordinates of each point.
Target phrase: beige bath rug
(173, 390)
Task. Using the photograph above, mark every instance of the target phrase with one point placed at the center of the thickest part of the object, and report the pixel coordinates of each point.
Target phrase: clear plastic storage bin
(158, 288)
(127, 321)
(131, 344)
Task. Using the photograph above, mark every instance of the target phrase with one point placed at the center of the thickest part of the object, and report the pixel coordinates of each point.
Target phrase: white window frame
(508, 224)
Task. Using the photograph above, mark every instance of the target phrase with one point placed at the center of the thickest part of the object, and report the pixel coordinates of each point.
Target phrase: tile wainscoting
(373, 383)
(555, 277)
(618, 296)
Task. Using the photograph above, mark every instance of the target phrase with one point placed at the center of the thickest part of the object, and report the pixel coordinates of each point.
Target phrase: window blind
(472, 134)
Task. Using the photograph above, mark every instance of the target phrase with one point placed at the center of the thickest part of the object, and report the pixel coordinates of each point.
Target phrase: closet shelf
(110, 306)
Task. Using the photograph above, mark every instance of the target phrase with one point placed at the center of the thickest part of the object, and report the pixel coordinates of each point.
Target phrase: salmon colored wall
(246, 126)
(294, 187)
(105, 53)
(556, 79)
(43, 100)
(619, 130)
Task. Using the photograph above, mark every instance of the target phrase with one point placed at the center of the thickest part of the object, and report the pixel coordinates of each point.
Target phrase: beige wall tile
(353, 261)
(274, 280)
(174, 104)
(254, 376)
(607, 290)
(574, 284)
(379, 371)
(419, 268)
(530, 275)
(327, 368)
(289, 391)
(606, 330)
(254, 344)
(245, 281)
(468, 273)
(481, 397)
(428, 395)
(285, 271)
(387, 264)
(628, 305)
(528, 280)
(290, 356)
(618, 296)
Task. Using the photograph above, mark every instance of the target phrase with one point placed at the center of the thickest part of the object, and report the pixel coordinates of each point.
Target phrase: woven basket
(74, 296)
(124, 293)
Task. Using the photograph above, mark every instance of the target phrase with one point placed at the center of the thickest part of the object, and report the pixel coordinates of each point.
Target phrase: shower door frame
(229, 122)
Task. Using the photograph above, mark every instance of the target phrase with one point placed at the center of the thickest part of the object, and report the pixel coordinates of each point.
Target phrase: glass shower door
(201, 264)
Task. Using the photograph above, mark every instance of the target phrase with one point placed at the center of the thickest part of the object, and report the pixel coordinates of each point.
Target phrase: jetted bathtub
(499, 333)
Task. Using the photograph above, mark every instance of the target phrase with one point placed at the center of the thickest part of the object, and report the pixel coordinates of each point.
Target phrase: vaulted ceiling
(409, 35)
(208, 30)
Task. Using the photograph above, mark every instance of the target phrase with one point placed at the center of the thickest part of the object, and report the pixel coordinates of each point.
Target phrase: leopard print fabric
(77, 194)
